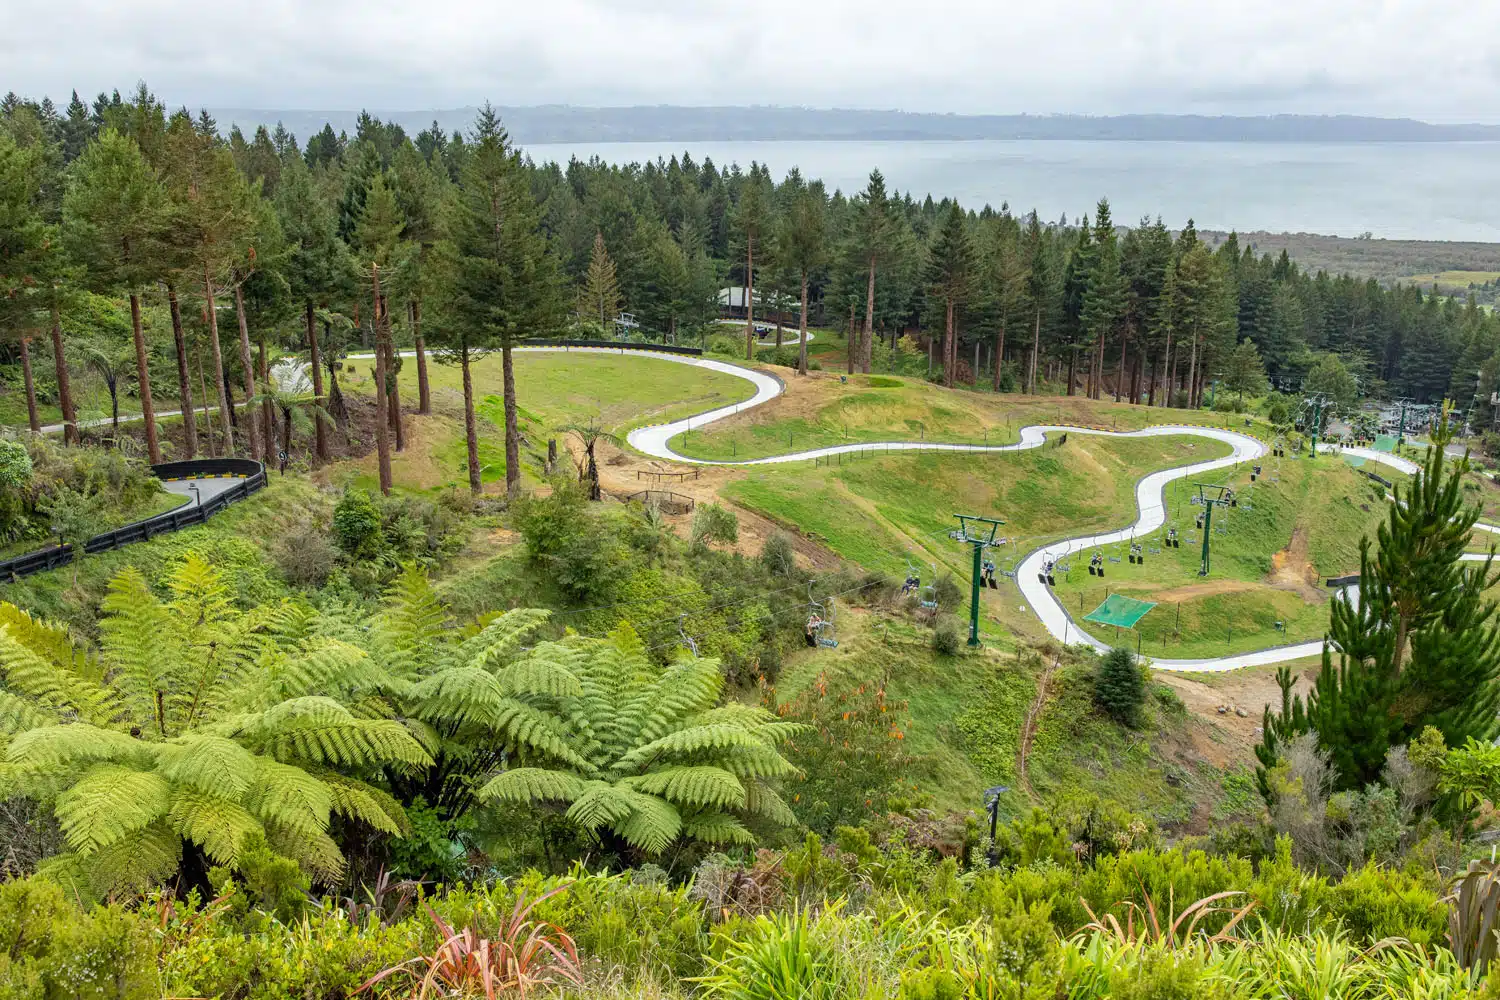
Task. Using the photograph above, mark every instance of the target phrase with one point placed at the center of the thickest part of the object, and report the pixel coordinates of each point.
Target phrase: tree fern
(196, 722)
(635, 751)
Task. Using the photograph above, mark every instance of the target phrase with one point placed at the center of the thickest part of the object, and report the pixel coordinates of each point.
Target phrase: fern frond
(599, 803)
(209, 764)
(458, 694)
(321, 666)
(366, 803)
(652, 825)
(289, 797)
(141, 653)
(696, 786)
(718, 828)
(532, 784)
(108, 803)
(531, 727)
(51, 684)
(17, 714)
(54, 642)
(316, 853)
(501, 638)
(686, 741)
(217, 825)
(763, 801)
(757, 761)
(129, 866)
(76, 743)
(686, 688)
(541, 673)
(411, 628)
(322, 731)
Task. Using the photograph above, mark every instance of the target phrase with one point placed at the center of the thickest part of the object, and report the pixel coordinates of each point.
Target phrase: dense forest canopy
(291, 233)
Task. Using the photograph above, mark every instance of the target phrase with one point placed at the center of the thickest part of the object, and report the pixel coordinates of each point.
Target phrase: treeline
(456, 243)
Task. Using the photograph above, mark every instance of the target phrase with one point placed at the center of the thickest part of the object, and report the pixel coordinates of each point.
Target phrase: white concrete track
(653, 440)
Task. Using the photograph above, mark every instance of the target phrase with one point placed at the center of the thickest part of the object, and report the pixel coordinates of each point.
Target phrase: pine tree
(1419, 646)
(315, 269)
(872, 235)
(752, 219)
(1039, 293)
(115, 223)
(1119, 687)
(506, 285)
(950, 271)
(801, 246)
(381, 249)
(1104, 295)
(600, 298)
(1244, 372)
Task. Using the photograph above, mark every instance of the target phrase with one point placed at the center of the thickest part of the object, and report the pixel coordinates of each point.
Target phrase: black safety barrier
(617, 345)
(252, 476)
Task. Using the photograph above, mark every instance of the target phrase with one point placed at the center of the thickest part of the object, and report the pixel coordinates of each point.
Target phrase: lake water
(1426, 191)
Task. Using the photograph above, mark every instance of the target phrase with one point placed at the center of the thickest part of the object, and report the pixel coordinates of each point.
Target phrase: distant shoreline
(565, 123)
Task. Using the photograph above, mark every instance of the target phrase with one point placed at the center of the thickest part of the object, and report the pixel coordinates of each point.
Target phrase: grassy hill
(820, 411)
(1270, 558)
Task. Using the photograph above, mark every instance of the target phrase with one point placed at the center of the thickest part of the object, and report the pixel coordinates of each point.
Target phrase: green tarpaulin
(1122, 611)
(1354, 460)
(1385, 442)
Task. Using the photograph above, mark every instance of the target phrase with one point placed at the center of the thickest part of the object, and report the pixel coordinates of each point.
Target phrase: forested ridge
(121, 206)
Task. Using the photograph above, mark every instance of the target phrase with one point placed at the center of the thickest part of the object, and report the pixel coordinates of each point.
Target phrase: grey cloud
(1396, 57)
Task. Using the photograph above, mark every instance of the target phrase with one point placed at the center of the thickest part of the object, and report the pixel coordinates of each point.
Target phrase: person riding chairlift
(987, 577)
(912, 585)
(814, 625)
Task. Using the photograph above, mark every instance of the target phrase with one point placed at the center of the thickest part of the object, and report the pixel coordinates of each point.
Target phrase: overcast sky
(1393, 58)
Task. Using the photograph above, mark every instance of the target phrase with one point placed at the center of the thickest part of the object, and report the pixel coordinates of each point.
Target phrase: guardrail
(251, 474)
(669, 502)
(619, 345)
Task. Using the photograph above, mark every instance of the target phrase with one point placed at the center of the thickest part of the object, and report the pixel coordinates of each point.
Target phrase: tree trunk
(64, 388)
(749, 309)
(1192, 368)
(471, 427)
(320, 431)
(208, 421)
(267, 410)
(867, 341)
(1036, 347)
(1124, 353)
(779, 318)
(1170, 371)
(424, 388)
(999, 358)
(226, 405)
(184, 378)
(853, 345)
(382, 431)
(31, 415)
(802, 330)
(228, 387)
(257, 439)
(948, 344)
(394, 388)
(286, 437)
(1072, 366)
(512, 433)
(143, 375)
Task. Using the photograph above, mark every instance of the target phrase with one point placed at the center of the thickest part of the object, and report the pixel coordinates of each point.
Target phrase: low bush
(948, 637)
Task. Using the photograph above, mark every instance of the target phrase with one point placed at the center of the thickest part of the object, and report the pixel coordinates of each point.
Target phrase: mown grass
(1317, 513)
(883, 510)
(552, 389)
(871, 408)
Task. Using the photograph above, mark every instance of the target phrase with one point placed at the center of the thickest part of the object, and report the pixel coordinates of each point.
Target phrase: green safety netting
(1122, 611)
(1385, 442)
(1354, 460)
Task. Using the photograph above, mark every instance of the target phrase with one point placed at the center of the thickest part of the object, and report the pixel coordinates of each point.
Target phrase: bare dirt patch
(1208, 588)
(1292, 570)
(1229, 739)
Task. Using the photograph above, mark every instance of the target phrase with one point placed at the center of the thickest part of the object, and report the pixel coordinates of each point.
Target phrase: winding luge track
(654, 440)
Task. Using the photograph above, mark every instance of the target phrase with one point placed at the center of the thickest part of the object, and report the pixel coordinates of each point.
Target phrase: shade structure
(1119, 610)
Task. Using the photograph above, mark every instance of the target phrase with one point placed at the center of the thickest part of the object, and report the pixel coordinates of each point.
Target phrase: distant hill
(564, 123)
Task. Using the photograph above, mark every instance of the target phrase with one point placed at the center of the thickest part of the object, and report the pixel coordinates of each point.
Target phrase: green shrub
(1119, 688)
(947, 592)
(777, 554)
(948, 638)
(356, 524)
(715, 524)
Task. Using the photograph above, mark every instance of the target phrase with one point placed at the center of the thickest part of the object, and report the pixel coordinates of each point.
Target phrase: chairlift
(1137, 556)
(1045, 576)
(688, 640)
(929, 592)
(1173, 542)
(1096, 564)
(819, 631)
(913, 581)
